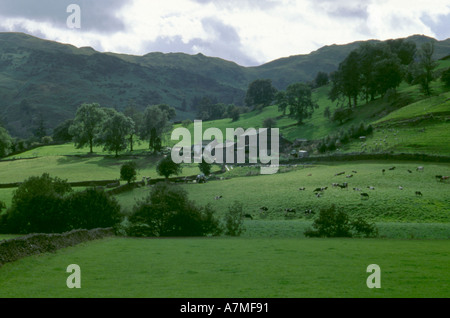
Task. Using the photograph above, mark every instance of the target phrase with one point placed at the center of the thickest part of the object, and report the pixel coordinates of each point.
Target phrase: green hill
(49, 80)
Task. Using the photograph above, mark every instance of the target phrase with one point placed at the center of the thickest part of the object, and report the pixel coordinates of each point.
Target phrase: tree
(445, 77)
(167, 211)
(327, 112)
(166, 167)
(234, 113)
(234, 219)
(170, 111)
(37, 207)
(321, 79)
(426, 65)
(115, 128)
(281, 100)
(269, 123)
(5, 142)
(128, 171)
(299, 99)
(61, 132)
(131, 112)
(86, 125)
(40, 131)
(330, 223)
(341, 114)
(155, 122)
(388, 74)
(205, 167)
(260, 93)
(185, 123)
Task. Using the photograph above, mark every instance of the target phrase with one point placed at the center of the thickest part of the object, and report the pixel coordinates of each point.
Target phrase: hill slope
(47, 80)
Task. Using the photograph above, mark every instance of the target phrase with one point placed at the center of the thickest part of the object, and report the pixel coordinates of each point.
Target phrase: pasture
(235, 267)
(387, 203)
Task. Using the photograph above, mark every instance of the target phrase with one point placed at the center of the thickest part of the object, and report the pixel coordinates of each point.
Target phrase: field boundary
(32, 244)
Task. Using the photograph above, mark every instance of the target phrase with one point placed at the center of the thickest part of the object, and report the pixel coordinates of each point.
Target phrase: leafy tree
(91, 209)
(445, 77)
(155, 122)
(426, 65)
(299, 98)
(330, 223)
(167, 211)
(132, 112)
(234, 113)
(333, 222)
(37, 206)
(185, 123)
(166, 167)
(321, 79)
(86, 125)
(260, 93)
(5, 142)
(269, 123)
(61, 132)
(169, 110)
(404, 50)
(115, 128)
(388, 74)
(234, 220)
(205, 167)
(281, 100)
(128, 171)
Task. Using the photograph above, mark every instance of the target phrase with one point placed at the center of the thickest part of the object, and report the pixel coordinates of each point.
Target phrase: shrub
(168, 212)
(91, 209)
(234, 220)
(128, 171)
(334, 223)
(167, 167)
(205, 167)
(37, 206)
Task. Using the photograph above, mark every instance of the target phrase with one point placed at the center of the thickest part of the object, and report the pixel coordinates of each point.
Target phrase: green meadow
(235, 268)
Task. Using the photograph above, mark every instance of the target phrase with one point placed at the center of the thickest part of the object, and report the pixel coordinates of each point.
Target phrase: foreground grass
(228, 268)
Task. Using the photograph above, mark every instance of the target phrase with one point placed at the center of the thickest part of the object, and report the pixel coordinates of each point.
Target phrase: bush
(234, 220)
(48, 205)
(128, 171)
(37, 206)
(168, 212)
(205, 167)
(334, 223)
(91, 209)
(167, 167)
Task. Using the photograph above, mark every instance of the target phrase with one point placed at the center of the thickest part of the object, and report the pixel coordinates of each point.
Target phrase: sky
(248, 32)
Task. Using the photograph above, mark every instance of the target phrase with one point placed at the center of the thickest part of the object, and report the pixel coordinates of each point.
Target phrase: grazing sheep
(354, 171)
(409, 171)
(317, 190)
(289, 210)
(357, 189)
(248, 216)
(392, 168)
(309, 175)
(349, 176)
(400, 188)
(443, 178)
(418, 193)
(370, 188)
(302, 189)
(318, 195)
(334, 185)
(364, 195)
(420, 168)
(309, 212)
(343, 186)
(218, 197)
(339, 174)
(383, 171)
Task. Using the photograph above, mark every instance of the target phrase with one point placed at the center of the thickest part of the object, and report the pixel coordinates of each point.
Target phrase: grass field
(229, 268)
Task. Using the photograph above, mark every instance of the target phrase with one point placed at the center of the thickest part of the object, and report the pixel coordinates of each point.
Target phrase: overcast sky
(248, 32)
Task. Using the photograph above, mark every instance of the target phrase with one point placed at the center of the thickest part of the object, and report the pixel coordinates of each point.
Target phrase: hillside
(45, 80)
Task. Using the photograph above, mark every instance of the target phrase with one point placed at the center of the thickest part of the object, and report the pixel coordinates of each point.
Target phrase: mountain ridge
(47, 80)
